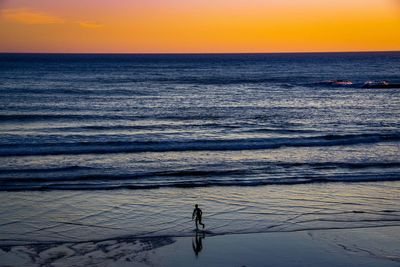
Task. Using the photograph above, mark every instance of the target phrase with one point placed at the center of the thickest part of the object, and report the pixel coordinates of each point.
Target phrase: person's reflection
(197, 243)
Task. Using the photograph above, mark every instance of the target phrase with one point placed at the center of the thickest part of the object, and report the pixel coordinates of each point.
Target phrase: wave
(226, 80)
(108, 182)
(335, 83)
(32, 117)
(332, 84)
(44, 170)
(335, 165)
(107, 175)
(279, 131)
(158, 126)
(89, 178)
(46, 117)
(30, 149)
(74, 173)
(76, 92)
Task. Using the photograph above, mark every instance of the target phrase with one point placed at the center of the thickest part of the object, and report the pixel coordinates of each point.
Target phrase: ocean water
(164, 126)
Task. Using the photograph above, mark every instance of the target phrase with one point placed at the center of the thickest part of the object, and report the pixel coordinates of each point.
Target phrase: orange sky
(184, 26)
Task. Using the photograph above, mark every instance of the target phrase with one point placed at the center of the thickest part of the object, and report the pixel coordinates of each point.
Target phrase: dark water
(147, 121)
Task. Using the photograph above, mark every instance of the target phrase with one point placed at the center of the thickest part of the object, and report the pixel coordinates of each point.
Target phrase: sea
(97, 146)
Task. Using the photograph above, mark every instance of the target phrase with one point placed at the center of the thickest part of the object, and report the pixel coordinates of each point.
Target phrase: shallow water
(95, 215)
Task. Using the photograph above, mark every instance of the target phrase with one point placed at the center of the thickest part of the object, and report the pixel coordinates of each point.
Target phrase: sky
(199, 26)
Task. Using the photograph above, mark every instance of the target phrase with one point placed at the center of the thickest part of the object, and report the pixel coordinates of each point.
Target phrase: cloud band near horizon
(199, 26)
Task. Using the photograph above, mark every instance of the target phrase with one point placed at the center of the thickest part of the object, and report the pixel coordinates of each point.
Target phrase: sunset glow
(157, 26)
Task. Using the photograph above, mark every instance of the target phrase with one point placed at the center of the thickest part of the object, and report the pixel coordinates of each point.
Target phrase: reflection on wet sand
(197, 242)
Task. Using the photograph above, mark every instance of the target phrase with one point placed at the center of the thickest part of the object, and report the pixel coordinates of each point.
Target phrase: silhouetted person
(197, 243)
(197, 213)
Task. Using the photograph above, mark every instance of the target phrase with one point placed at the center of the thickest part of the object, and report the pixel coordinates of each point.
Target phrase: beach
(345, 247)
(103, 157)
(79, 216)
(341, 225)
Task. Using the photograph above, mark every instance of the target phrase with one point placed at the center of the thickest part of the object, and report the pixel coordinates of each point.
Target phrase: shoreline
(79, 216)
(374, 246)
(14, 243)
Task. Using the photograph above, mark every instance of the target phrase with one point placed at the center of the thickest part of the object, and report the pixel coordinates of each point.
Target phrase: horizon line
(201, 53)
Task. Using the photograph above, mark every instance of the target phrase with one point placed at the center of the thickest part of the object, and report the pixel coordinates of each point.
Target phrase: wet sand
(377, 246)
(81, 216)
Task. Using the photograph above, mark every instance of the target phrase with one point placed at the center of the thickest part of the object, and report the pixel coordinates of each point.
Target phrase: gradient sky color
(199, 26)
